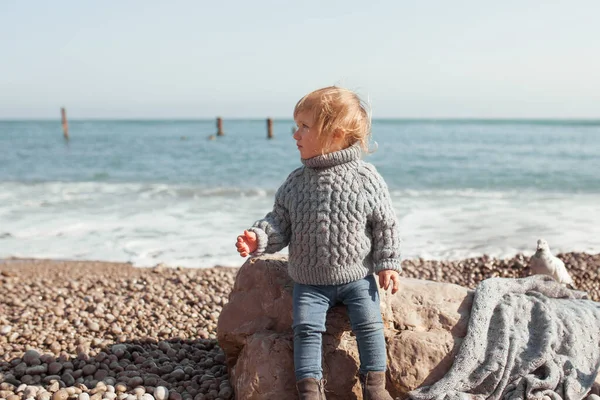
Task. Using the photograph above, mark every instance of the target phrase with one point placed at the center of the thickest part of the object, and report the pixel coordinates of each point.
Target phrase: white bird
(543, 262)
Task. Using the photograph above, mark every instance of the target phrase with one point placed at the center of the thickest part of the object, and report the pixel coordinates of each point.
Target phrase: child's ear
(338, 134)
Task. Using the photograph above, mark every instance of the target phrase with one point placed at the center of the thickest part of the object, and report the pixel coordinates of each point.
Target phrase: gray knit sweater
(336, 215)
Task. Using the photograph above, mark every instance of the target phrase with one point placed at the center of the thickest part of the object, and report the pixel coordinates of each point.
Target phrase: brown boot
(311, 389)
(373, 386)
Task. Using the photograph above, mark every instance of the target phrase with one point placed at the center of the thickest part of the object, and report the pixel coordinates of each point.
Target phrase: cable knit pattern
(336, 214)
(528, 338)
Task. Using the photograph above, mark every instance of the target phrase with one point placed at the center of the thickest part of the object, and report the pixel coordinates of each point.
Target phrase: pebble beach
(96, 330)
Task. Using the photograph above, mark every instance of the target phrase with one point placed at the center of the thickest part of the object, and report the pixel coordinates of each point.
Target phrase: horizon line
(203, 119)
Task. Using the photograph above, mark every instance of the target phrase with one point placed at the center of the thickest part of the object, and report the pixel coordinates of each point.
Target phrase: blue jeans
(311, 304)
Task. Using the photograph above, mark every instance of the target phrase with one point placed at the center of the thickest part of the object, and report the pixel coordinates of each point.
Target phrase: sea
(170, 192)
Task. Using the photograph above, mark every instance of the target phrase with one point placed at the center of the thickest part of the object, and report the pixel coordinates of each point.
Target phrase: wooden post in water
(269, 128)
(219, 126)
(65, 124)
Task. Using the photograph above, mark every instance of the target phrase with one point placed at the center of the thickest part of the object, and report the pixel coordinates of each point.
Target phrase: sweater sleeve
(384, 224)
(274, 230)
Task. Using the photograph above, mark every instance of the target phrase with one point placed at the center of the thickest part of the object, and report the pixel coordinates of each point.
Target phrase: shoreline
(16, 260)
(79, 329)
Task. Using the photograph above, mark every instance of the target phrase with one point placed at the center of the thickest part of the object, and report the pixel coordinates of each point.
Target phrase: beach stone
(44, 396)
(89, 369)
(178, 374)
(60, 395)
(150, 380)
(71, 391)
(100, 374)
(161, 393)
(53, 387)
(68, 379)
(27, 379)
(6, 386)
(120, 387)
(226, 393)
(100, 387)
(118, 350)
(37, 370)
(30, 391)
(81, 387)
(136, 381)
(31, 357)
(47, 358)
(84, 396)
(54, 368)
(424, 324)
(55, 347)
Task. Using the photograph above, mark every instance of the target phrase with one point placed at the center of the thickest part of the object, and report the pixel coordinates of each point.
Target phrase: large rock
(424, 324)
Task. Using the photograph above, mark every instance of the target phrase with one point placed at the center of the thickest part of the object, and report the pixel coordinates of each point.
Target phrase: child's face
(307, 136)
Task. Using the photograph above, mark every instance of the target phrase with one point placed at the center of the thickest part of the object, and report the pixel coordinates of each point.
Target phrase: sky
(255, 59)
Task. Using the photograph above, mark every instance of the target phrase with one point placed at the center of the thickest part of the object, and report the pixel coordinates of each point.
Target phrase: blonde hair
(336, 108)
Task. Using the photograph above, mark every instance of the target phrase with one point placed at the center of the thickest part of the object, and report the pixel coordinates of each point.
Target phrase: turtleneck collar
(352, 153)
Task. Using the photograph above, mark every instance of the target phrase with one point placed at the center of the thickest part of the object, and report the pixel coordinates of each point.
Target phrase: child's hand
(246, 243)
(386, 277)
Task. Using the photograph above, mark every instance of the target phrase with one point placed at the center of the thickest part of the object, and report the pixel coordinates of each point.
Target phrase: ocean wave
(86, 190)
(196, 226)
(186, 191)
(470, 193)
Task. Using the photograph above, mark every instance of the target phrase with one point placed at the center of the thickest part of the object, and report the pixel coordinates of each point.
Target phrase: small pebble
(44, 396)
(30, 391)
(30, 357)
(120, 387)
(53, 387)
(161, 393)
(60, 395)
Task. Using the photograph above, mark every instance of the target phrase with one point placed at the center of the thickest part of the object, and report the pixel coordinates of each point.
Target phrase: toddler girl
(336, 215)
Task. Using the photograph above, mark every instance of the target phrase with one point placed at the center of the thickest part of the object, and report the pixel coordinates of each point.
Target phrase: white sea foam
(185, 225)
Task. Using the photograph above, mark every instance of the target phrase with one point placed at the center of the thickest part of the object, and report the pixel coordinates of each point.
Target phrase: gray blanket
(528, 338)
